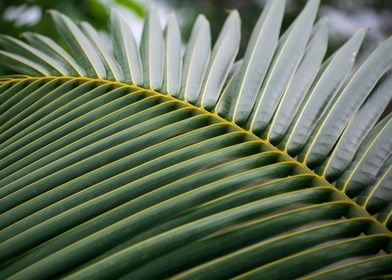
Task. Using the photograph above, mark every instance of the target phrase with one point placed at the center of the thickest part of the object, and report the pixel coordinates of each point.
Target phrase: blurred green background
(345, 16)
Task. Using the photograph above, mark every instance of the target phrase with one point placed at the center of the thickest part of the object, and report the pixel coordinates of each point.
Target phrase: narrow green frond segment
(377, 197)
(222, 59)
(24, 50)
(362, 269)
(111, 66)
(196, 58)
(80, 45)
(316, 258)
(243, 90)
(359, 127)
(237, 237)
(347, 103)
(57, 53)
(126, 50)
(385, 216)
(173, 57)
(370, 159)
(223, 106)
(283, 67)
(22, 64)
(152, 51)
(300, 83)
(324, 89)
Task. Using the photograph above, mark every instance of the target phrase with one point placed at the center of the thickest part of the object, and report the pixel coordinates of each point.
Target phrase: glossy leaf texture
(172, 159)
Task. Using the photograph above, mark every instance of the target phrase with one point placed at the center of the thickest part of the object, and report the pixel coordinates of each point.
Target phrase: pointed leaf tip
(151, 50)
(173, 57)
(80, 45)
(289, 52)
(197, 55)
(125, 49)
(223, 56)
(257, 59)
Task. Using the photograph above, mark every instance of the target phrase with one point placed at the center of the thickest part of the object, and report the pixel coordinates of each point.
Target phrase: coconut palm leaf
(162, 161)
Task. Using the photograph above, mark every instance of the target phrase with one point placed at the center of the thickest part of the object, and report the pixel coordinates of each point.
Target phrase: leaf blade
(347, 103)
(197, 55)
(283, 66)
(111, 65)
(222, 58)
(256, 60)
(356, 131)
(301, 82)
(152, 50)
(125, 49)
(79, 44)
(173, 73)
(333, 76)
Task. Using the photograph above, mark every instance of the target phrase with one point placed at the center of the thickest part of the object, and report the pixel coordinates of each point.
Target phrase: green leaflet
(222, 58)
(173, 58)
(208, 248)
(24, 50)
(135, 160)
(284, 64)
(111, 65)
(125, 50)
(152, 51)
(196, 58)
(322, 91)
(266, 252)
(375, 267)
(55, 51)
(377, 197)
(256, 61)
(385, 216)
(371, 157)
(79, 45)
(12, 117)
(347, 102)
(300, 83)
(355, 132)
(315, 258)
(22, 64)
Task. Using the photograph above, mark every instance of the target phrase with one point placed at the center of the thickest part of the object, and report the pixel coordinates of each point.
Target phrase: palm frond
(163, 160)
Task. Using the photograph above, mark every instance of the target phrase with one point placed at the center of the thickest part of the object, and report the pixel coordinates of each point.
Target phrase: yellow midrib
(14, 79)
